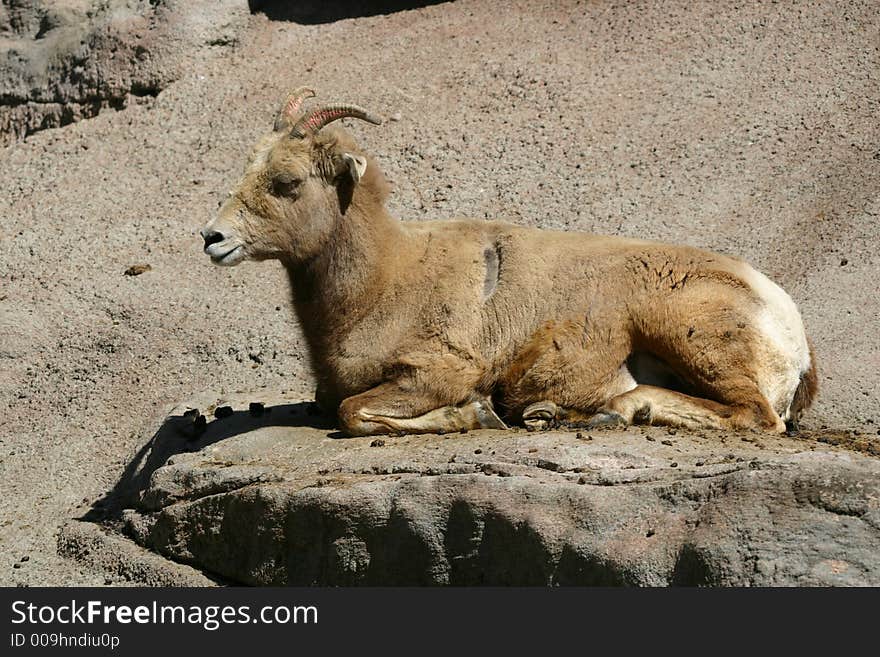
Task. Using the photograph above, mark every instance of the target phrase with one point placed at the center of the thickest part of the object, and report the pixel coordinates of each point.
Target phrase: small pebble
(378, 443)
(137, 270)
(25, 558)
(478, 451)
(223, 412)
(673, 465)
(667, 442)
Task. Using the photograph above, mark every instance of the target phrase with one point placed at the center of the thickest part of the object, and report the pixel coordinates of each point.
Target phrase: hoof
(487, 417)
(608, 419)
(540, 415)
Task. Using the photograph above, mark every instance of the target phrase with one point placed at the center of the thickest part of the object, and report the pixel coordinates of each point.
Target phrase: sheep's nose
(211, 237)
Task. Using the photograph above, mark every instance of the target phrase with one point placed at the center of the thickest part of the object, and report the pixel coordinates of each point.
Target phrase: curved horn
(312, 122)
(291, 106)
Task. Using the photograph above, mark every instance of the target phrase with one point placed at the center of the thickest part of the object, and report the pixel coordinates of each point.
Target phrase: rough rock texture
(64, 60)
(123, 561)
(749, 128)
(277, 499)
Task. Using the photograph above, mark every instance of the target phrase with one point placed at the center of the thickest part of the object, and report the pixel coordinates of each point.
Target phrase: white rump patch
(785, 355)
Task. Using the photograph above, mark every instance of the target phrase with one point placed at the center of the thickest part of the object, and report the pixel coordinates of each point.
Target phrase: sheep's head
(297, 185)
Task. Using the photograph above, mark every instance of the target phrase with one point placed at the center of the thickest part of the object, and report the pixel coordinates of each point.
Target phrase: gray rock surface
(121, 561)
(65, 60)
(281, 500)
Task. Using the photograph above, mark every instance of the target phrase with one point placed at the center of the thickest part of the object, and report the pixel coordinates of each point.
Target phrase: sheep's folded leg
(370, 414)
(475, 415)
(647, 404)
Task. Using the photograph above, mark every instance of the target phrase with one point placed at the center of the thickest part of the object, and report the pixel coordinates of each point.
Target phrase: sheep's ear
(357, 166)
(351, 171)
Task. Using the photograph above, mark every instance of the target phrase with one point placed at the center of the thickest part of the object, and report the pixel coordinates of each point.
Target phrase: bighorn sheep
(430, 326)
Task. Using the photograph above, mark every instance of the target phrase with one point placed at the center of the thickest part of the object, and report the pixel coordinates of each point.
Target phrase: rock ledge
(280, 498)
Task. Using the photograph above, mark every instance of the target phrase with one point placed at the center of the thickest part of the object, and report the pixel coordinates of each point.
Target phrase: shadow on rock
(191, 432)
(265, 496)
(312, 12)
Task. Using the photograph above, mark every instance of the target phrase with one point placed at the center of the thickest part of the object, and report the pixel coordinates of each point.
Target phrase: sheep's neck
(337, 286)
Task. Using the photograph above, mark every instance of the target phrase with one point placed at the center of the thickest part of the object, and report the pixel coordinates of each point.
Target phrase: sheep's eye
(285, 186)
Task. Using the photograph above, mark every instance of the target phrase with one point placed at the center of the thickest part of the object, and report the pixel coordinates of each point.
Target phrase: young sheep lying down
(441, 326)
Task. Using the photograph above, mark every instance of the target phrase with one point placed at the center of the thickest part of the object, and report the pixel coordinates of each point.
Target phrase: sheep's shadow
(313, 12)
(185, 433)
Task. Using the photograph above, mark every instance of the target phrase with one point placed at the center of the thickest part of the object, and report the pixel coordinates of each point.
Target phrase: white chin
(229, 258)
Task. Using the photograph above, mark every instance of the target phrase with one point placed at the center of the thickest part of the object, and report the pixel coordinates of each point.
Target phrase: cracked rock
(284, 499)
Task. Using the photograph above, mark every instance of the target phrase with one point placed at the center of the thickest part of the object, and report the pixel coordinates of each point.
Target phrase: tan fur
(403, 319)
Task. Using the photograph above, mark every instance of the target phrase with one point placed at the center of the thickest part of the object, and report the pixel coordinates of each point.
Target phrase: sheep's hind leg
(652, 405)
(387, 409)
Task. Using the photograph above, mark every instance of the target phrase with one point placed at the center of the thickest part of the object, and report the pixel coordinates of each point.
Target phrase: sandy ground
(748, 130)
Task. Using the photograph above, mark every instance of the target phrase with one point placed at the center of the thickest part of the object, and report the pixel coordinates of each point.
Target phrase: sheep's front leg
(388, 408)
